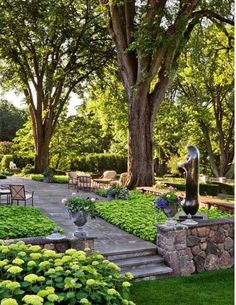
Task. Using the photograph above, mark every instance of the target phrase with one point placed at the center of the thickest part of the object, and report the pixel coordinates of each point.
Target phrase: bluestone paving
(48, 197)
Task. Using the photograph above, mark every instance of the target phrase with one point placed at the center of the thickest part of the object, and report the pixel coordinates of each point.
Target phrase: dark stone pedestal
(194, 217)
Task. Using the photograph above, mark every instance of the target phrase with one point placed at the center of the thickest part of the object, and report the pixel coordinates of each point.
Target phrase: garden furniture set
(15, 193)
(87, 182)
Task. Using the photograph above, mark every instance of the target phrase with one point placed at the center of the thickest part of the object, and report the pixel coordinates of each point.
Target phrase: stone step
(151, 273)
(124, 253)
(140, 261)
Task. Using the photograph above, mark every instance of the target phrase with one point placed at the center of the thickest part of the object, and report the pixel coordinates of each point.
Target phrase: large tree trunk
(42, 137)
(140, 152)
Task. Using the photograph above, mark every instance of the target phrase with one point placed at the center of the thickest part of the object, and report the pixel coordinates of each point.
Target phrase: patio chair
(122, 180)
(18, 194)
(85, 182)
(106, 179)
(73, 179)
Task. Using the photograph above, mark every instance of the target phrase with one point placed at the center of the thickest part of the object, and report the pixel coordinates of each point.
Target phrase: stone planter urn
(80, 218)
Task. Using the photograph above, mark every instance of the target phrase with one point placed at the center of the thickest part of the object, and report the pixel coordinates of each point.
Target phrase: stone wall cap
(209, 222)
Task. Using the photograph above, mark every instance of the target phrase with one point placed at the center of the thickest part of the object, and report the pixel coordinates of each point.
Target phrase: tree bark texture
(146, 74)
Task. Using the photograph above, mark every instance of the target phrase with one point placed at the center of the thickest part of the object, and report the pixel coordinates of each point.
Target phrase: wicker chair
(122, 181)
(73, 179)
(19, 194)
(106, 179)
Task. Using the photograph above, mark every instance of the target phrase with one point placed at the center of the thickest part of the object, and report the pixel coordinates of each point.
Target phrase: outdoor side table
(5, 192)
(103, 183)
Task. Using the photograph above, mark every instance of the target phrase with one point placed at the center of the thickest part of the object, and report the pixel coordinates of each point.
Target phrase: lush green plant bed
(2, 176)
(138, 215)
(56, 178)
(18, 221)
(215, 287)
(35, 276)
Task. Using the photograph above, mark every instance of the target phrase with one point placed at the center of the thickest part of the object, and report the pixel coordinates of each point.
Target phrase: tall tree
(149, 37)
(50, 48)
(207, 80)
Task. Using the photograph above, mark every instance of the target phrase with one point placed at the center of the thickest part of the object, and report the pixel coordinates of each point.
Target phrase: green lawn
(209, 288)
(138, 215)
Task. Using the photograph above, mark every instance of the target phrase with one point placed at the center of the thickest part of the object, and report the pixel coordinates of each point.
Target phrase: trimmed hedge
(55, 179)
(204, 189)
(225, 188)
(98, 163)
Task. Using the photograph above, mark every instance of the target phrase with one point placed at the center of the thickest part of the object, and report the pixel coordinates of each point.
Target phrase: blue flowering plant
(169, 203)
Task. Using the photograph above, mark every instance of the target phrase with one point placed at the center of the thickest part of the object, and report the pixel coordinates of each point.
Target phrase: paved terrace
(47, 198)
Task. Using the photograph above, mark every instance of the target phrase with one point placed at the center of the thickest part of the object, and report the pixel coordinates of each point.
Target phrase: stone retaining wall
(208, 245)
(59, 245)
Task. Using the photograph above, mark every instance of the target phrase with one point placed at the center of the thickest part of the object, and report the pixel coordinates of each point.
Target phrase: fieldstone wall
(59, 245)
(208, 245)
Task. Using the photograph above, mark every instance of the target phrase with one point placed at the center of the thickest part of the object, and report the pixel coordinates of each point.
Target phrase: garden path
(48, 198)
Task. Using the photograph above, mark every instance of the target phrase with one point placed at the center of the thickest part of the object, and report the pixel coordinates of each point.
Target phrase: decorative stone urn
(80, 219)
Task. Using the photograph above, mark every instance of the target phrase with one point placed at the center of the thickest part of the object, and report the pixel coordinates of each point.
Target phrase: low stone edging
(59, 245)
(209, 245)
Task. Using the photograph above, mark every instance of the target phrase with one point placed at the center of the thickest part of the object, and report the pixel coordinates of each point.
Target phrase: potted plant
(117, 192)
(48, 175)
(169, 203)
(79, 209)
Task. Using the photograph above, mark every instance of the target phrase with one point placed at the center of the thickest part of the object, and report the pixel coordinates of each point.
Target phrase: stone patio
(48, 198)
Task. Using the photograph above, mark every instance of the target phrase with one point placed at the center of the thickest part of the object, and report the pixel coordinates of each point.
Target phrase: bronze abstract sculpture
(191, 167)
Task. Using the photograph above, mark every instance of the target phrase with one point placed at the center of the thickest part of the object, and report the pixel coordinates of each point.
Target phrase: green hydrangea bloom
(31, 278)
(53, 297)
(90, 282)
(9, 301)
(112, 291)
(126, 284)
(85, 301)
(44, 265)
(18, 261)
(33, 299)
(113, 266)
(11, 285)
(129, 276)
(3, 263)
(35, 248)
(31, 263)
(50, 253)
(35, 256)
(14, 269)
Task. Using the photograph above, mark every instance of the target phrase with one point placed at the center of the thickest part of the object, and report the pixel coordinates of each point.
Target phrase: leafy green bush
(100, 163)
(2, 176)
(37, 177)
(31, 275)
(118, 192)
(204, 188)
(18, 221)
(7, 173)
(6, 159)
(101, 192)
(138, 215)
(225, 188)
(55, 179)
(60, 179)
(28, 169)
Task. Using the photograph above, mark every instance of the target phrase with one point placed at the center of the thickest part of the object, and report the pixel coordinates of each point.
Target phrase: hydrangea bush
(35, 276)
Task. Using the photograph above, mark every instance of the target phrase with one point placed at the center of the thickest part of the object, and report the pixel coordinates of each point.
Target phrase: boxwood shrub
(98, 163)
(31, 275)
(55, 179)
(19, 221)
(204, 188)
(138, 215)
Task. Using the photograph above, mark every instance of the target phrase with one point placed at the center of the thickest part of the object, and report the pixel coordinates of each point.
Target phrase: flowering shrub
(76, 204)
(118, 192)
(32, 275)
